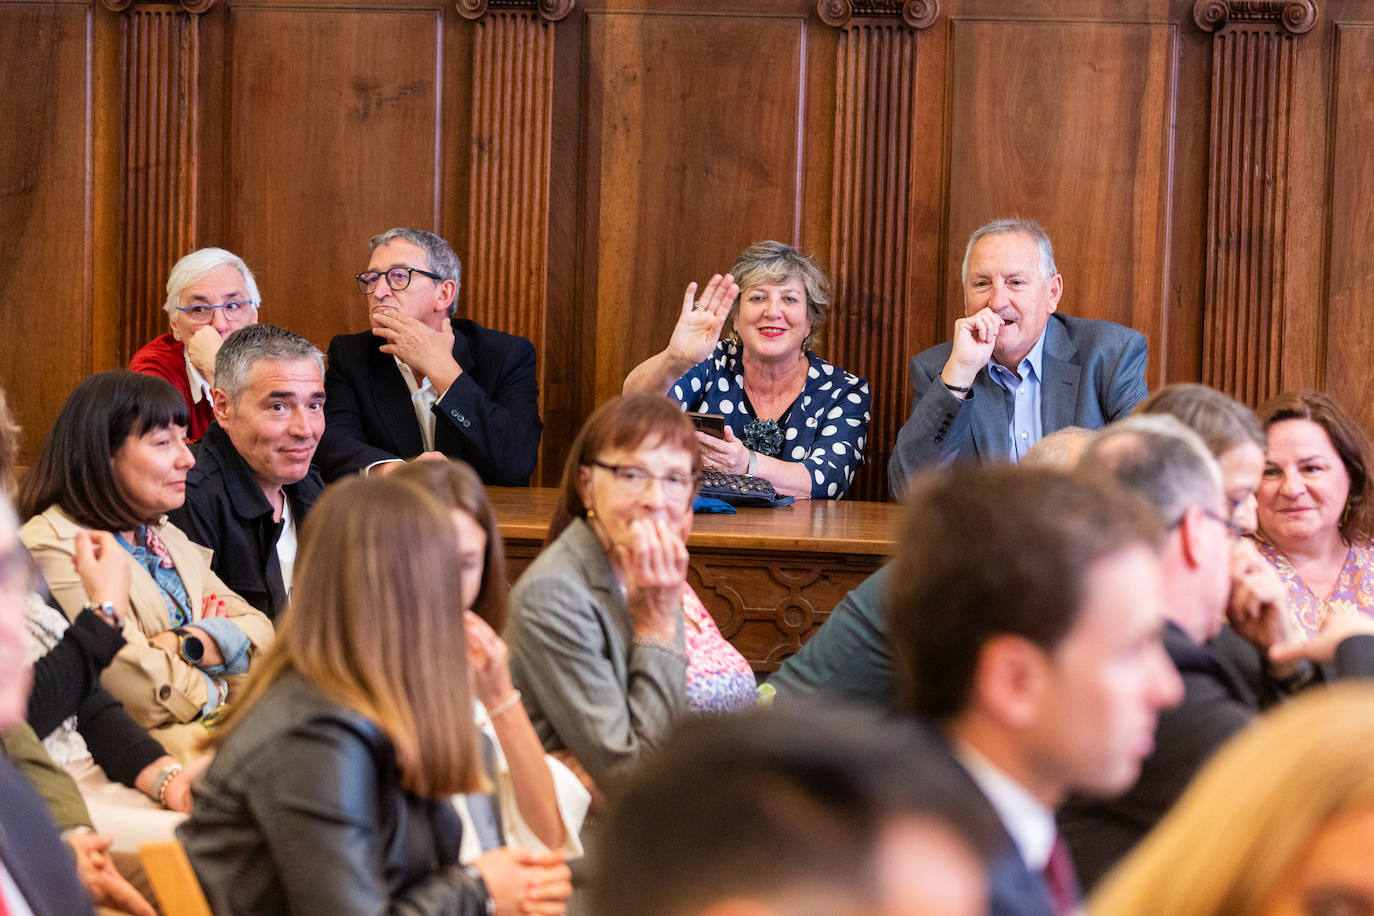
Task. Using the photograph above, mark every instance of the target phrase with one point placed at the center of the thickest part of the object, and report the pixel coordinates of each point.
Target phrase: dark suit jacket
(1013, 890)
(225, 510)
(1217, 702)
(489, 417)
(37, 860)
(1093, 373)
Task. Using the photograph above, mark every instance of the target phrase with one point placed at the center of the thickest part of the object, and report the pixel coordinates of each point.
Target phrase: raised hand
(104, 570)
(698, 327)
(974, 340)
(488, 662)
(653, 560)
(428, 353)
(202, 347)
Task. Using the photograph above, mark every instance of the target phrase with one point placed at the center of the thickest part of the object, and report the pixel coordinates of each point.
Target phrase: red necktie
(1060, 880)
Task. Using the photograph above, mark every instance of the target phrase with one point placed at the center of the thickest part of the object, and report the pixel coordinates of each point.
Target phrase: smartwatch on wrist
(190, 646)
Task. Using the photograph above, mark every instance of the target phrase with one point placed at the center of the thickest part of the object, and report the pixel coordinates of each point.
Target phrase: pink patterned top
(1353, 594)
(719, 680)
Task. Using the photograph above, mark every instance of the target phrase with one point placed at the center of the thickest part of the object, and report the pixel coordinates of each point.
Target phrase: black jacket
(489, 417)
(226, 510)
(302, 812)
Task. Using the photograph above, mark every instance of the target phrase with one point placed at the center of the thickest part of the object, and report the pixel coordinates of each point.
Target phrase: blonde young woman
(1279, 823)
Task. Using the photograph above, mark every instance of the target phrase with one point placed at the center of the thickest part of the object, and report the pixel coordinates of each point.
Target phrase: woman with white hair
(210, 294)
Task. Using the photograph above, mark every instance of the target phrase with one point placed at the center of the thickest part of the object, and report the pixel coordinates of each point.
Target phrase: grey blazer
(585, 683)
(1094, 373)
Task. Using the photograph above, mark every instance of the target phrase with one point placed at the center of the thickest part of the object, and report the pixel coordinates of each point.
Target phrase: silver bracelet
(753, 462)
(505, 705)
(654, 642)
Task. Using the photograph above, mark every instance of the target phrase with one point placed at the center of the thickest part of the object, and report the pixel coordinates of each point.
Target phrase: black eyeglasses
(398, 278)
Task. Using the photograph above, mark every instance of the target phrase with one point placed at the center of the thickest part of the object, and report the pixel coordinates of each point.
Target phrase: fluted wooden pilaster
(160, 50)
(870, 256)
(509, 217)
(1253, 56)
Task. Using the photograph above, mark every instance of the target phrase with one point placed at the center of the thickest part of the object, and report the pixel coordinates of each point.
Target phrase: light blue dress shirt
(1024, 426)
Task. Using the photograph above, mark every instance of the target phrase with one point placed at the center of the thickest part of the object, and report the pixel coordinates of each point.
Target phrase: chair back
(173, 880)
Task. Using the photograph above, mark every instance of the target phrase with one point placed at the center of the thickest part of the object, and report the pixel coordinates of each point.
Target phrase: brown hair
(990, 550)
(372, 624)
(1350, 442)
(74, 469)
(1221, 421)
(457, 486)
(626, 422)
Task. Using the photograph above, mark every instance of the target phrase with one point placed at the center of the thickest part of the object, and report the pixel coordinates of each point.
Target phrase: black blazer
(489, 417)
(36, 859)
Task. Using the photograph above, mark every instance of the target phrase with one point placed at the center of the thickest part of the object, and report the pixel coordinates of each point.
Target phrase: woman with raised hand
(790, 416)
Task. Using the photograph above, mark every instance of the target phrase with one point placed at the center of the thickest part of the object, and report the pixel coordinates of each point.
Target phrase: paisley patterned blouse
(1353, 594)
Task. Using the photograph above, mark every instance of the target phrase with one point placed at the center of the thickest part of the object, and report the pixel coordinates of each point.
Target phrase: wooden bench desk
(769, 577)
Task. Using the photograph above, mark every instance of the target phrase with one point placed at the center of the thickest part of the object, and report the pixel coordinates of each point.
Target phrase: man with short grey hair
(253, 482)
(1015, 370)
(424, 383)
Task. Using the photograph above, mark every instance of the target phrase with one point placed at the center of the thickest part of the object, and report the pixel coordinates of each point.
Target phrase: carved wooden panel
(768, 606)
(508, 212)
(1068, 123)
(871, 269)
(46, 163)
(161, 63)
(332, 134)
(1349, 326)
(1253, 56)
(693, 152)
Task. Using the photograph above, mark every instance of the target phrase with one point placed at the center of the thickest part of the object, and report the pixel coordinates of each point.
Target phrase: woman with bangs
(330, 785)
(116, 461)
(608, 644)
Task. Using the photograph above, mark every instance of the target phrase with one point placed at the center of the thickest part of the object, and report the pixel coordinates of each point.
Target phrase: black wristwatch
(191, 648)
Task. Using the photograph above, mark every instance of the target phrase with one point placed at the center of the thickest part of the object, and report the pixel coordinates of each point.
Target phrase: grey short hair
(199, 263)
(1161, 459)
(440, 256)
(1023, 226)
(247, 346)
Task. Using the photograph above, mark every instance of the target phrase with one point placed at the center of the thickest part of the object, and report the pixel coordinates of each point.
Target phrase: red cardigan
(165, 358)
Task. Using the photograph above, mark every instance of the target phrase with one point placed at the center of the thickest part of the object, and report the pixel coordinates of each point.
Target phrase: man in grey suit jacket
(1015, 371)
(1043, 672)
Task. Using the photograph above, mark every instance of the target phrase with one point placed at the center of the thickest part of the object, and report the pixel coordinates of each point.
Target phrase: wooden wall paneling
(695, 139)
(508, 210)
(46, 194)
(1348, 327)
(870, 261)
(333, 131)
(1253, 52)
(161, 61)
(1068, 122)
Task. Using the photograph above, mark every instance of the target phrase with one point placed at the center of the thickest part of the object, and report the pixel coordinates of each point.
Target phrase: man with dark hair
(424, 383)
(792, 813)
(1014, 370)
(1203, 564)
(253, 483)
(1026, 615)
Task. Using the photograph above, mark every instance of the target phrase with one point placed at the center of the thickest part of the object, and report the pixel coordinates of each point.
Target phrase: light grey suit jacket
(585, 683)
(1093, 373)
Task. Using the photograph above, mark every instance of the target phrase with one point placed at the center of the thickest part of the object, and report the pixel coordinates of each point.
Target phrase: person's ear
(584, 485)
(1010, 678)
(220, 402)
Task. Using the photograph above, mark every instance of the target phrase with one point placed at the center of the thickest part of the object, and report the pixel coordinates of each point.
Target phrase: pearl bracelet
(164, 779)
(505, 705)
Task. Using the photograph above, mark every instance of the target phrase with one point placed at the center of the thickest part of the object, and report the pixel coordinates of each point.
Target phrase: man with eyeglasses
(423, 383)
(210, 294)
(1210, 574)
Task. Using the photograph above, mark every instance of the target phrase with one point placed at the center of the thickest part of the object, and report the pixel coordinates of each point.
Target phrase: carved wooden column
(161, 60)
(1252, 83)
(512, 113)
(869, 256)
